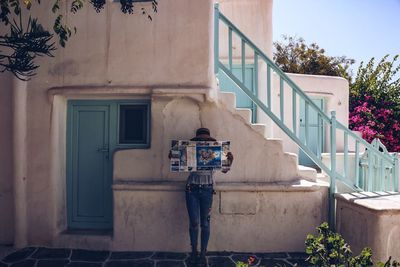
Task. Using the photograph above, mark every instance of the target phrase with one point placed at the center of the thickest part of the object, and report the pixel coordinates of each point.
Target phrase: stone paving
(54, 257)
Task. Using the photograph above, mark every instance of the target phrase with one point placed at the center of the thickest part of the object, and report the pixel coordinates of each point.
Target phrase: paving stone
(274, 263)
(188, 264)
(170, 264)
(85, 264)
(169, 256)
(300, 262)
(19, 255)
(130, 263)
(219, 253)
(120, 255)
(298, 255)
(276, 255)
(220, 262)
(24, 263)
(5, 250)
(54, 257)
(89, 255)
(51, 253)
(52, 263)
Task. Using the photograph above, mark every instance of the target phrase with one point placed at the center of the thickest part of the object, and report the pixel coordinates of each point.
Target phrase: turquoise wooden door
(242, 100)
(315, 142)
(89, 166)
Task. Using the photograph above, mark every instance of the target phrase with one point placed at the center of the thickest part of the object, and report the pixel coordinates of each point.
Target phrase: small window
(134, 124)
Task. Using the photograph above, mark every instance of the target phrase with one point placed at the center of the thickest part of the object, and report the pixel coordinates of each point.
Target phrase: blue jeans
(198, 202)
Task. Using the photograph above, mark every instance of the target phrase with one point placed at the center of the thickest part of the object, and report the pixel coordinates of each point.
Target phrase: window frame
(147, 123)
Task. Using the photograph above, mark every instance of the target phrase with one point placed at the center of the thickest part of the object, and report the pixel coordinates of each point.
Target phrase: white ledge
(374, 201)
(294, 186)
(126, 91)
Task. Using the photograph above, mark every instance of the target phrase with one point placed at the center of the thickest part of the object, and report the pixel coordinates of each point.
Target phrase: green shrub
(389, 263)
(249, 263)
(329, 249)
(241, 264)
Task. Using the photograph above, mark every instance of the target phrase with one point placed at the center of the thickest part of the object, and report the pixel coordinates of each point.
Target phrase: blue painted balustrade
(371, 167)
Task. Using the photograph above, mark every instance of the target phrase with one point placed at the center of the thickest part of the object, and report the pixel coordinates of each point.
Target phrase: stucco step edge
(275, 139)
(245, 113)
(259, 127)
(294, 186)
(307, 173)
(229, 99)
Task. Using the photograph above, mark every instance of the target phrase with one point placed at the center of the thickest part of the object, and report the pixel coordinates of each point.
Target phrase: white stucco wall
(175, 48)
(145, 189)
(107, 53)
(254, 19)
(169, 61)
(6, 163)
(178, 118)
(334, 91)
(262, 218)
(370, 219)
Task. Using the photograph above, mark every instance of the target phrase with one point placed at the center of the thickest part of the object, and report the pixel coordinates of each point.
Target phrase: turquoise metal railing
(372, 166)
(289, 95)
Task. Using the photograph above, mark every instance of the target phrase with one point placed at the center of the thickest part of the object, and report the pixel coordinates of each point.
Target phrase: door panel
(89, 167)
(242, 100)
(313, 132)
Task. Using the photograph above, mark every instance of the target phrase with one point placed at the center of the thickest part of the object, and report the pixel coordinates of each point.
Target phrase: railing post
(332, 186)
(396, 173)
(216, 37)
(357, 166)
(346, 155)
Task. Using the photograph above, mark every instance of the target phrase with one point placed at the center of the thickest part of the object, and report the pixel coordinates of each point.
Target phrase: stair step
(228, 98)
(323, 177)
(245, 113)
(308, 173)
(275, 139)
(259, 128)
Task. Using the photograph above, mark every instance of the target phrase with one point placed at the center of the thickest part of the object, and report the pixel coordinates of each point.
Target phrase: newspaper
(189, 156)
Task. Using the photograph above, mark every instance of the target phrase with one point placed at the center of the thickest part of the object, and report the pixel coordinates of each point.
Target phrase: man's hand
(229, 155)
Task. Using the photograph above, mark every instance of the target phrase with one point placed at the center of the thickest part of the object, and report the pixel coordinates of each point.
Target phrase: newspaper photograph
(189, 156)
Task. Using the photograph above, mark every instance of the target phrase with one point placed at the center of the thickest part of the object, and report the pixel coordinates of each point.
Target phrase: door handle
(104, 150)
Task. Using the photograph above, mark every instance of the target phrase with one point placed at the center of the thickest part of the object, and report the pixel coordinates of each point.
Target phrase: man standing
(199, 196)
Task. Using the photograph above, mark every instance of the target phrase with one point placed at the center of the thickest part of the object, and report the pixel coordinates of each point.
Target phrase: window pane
(133, 124)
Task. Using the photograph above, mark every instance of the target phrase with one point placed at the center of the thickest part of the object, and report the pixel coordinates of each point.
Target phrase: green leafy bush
(241, 264)
(294, 55)
(329, 249)
(389, 263)
(250, 262)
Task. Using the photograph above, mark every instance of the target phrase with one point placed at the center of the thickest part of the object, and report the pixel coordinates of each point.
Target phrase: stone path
(54, 257)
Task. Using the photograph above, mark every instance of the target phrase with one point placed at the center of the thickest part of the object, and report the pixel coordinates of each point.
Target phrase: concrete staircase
(228, 99)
